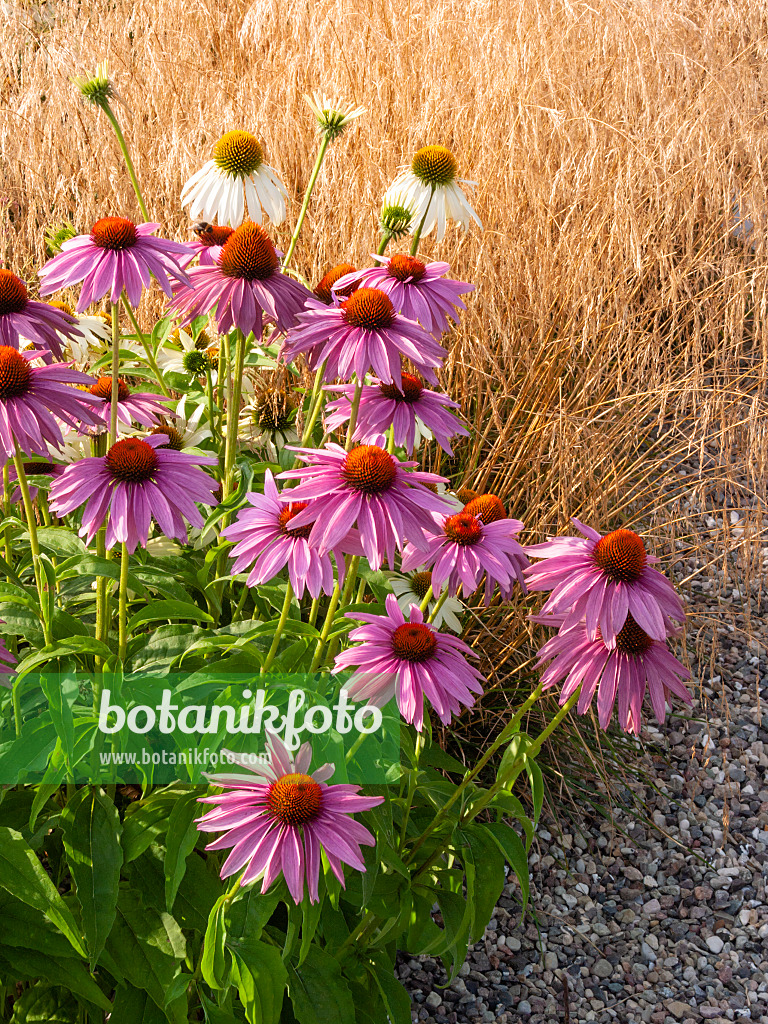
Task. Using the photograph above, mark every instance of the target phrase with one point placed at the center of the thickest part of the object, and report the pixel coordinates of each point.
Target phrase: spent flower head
(332, 115)
(95, 88)
(396, 217)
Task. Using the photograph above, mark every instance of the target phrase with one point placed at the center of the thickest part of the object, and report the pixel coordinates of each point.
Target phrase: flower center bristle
(214, 234)
(463, 528)
(238, 154)
(62, 307)
(369, 309)
(403, 268)
(114, 233)
(195, 362)
(175, 437)
(323, 290)
(103, 389)
(621, 555)
(249, 254)
(434, 166)
(295, 799)
(13, 293)
(287, 514)
(466, 494)
(420, 584)
(15, 373)
(411, 391)
(131, 460)
(271, 418)
(631, 639)
(414, 642)
(488, 508)
(369, 469)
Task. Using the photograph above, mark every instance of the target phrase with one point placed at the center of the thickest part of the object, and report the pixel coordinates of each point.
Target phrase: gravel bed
(661, 925)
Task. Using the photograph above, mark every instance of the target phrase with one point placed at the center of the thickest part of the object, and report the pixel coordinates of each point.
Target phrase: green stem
(211, 418)
(29, 513)
(307, 195)
(383, 244)
(233, 413)
(420, 228)
(147, 347)
(127, 156)
(353, 413)
(426, 599)
(329, 617)
(505, 734)
(412, 782)
(123, 602)
(313, 610)
(114, 308)
(279, 630)
(349, 584)
(17, 708)
(440, 602)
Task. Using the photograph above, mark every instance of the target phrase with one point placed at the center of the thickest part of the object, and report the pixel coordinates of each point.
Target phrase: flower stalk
(34, 544)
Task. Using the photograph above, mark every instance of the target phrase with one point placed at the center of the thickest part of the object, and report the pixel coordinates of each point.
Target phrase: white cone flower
(430, 186)
(235, 179)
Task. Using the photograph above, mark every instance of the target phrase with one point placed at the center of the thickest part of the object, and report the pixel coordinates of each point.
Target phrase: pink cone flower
(244, 287)
(208, 244)
(602, 580)
(368, 487)
(33, 398)
(466, 546)
(23, 318)
(266, 541)
(143, 406)
(116, 255)
(409, 660)
(414, 412)
(364, 332)
(137, 479)
(635, 663)
(420, 291)
(277, 819)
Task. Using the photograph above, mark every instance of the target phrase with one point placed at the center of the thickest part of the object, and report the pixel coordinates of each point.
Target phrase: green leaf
(91, 827)
(485, 875)
(216, 966)
(68, 973)
(62, 691)
(396, 1000)
(457, 919)
(182, 836)
(147, 946)
(30, 751)
(157, 610)
(148, 819)
(319, 994)
(133, 1006)
(511, 845)
(76, 645)
(60, 541)
(45, 1004)
(248, 914)
(22, 874)
(310, 919)
(261, 977)
(214, 1014)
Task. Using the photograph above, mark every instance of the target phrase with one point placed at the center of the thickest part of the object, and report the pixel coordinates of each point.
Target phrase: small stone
(715, 943)
(680, 1010)
(651, 907)
(550, 961)
(524, 1008)
(434, 1000)
(603, 968)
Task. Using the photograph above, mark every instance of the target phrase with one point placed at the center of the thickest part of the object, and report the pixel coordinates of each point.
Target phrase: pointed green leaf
(22, 874)
(91, 827)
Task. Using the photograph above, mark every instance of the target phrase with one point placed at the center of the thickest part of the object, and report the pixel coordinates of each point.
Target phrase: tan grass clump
(618, 330)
